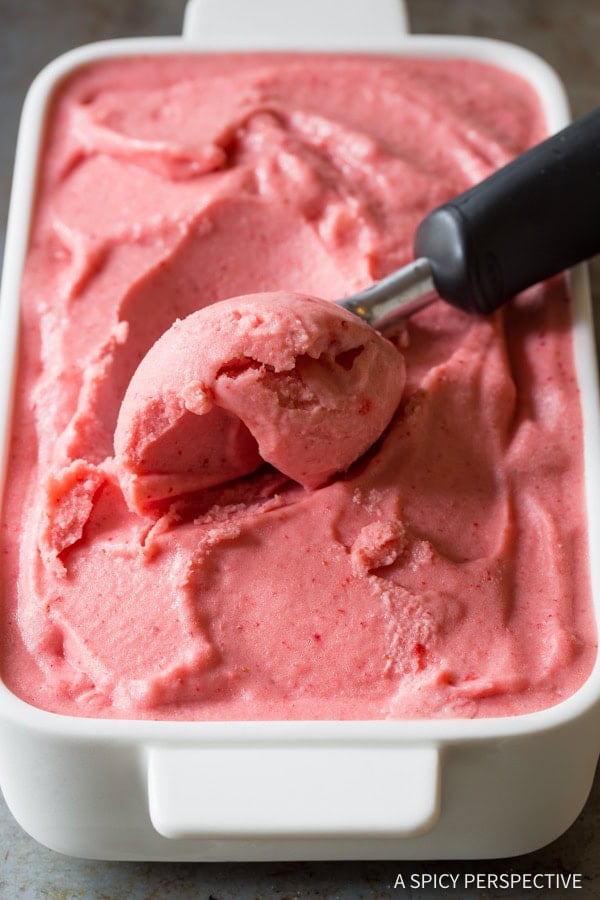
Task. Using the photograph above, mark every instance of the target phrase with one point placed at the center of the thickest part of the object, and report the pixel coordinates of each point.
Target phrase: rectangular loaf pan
(114, 789)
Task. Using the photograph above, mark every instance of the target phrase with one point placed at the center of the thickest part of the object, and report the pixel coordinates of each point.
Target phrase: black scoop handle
(528, 221)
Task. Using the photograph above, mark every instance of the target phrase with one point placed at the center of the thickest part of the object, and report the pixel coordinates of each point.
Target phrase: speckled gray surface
(31, 33)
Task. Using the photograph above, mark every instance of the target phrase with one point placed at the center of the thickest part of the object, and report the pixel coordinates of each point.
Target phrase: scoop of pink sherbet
(287, 379)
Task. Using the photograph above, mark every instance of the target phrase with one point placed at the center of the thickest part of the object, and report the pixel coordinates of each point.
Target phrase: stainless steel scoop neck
(395, 297)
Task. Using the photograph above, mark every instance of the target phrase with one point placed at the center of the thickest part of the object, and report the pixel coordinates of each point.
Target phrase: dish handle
(326, 25)
(250, 791)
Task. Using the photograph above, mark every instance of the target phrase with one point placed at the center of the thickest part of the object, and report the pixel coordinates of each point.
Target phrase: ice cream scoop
(307, 386)
(528, 221)
(290, 380)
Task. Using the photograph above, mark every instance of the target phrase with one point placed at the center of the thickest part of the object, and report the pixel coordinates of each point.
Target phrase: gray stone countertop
(31, 33)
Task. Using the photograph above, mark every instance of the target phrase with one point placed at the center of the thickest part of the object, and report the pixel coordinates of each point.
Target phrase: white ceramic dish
(295, 790)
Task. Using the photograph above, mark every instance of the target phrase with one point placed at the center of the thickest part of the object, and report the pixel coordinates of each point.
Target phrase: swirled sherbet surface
(443, 570)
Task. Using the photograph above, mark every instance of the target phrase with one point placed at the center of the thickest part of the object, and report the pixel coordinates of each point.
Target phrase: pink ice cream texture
(291, 380)
(174, 544)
